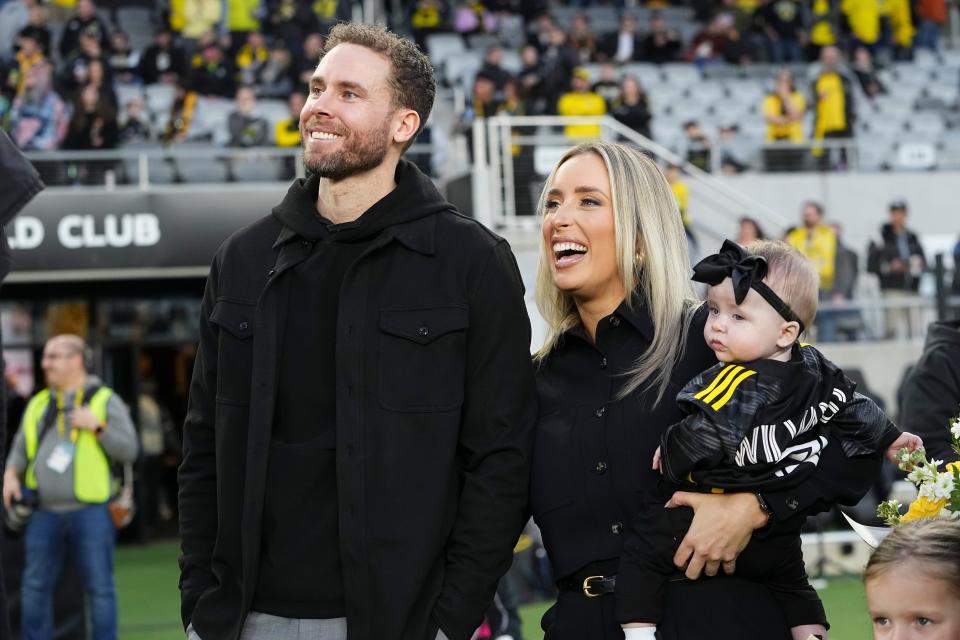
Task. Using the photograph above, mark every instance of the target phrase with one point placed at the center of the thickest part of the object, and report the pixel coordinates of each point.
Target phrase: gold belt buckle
(586, 587)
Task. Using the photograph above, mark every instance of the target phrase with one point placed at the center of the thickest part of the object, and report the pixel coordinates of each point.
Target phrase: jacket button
(600, 468)
(599, 412)
(603, 363)
(271, 272)
(305, 243)
(616, 528)
(615, 321)
(423, 331)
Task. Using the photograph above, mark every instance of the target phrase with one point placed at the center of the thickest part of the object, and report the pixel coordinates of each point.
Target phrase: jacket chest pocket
(235, 349)
(422, 358)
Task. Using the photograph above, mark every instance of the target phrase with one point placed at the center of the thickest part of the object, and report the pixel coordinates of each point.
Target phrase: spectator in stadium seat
(607, 85)
(531, 81)
(306, 62)
(123, 60)
(85, 21)
(38, 118)
(817, 241)
(14, 16)
(783, 26)
(290, 21)
(483, 103)
(247, 129)
(581, 101)
(834, 111)
(660, 44)
(214, 77)
(783, 111)
(524, 173)
(251, 57)
(557, 64)
(492, 67)
(93, 127)
(541, 35)
(863, 17)
(748, 230)
(931, 16)
(275, 79)
(897, 24)
(37, 28)
(626, 45)
(822, 25)
(427, 17)
(242, 19)
(163, 61)
(866, 74)
(633, 108)
(831, 322)
(715, 43)
(29, 54)
(76, 69)
(287, 131)
(182, 110)
(899, 262)
(698, 148)
(582, 38)
(135, 126)
(98, 76)
(199, 17)
(735, 152)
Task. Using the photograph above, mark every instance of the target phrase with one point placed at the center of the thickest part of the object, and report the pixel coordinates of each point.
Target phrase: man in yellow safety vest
(60, 460)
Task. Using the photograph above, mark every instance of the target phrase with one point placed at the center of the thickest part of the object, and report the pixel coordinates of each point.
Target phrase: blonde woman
(625, 335)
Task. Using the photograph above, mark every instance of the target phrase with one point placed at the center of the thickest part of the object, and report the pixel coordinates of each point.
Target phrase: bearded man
(356, 450)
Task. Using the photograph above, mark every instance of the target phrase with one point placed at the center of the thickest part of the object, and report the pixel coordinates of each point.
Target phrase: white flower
(939, 488)
(920, 475)
(955, 430)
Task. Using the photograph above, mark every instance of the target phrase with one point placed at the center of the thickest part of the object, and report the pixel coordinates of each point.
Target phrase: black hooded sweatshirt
(300, 573)
(931, 392)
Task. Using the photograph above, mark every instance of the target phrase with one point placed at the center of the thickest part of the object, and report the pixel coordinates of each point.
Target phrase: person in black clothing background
(625, 335)
(356, 449)
(633, 109)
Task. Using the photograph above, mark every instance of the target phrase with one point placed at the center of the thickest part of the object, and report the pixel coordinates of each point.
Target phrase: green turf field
(149, 600)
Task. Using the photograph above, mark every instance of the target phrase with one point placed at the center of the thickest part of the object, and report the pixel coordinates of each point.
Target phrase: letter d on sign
(27, 233)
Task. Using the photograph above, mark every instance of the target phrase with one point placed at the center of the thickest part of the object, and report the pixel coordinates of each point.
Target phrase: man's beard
(358, 154)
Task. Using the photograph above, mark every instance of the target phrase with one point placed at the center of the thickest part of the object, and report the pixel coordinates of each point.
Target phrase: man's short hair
(791, 275)
(411, 74)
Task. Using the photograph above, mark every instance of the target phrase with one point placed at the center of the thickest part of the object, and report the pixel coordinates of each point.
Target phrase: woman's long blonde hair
(652, 260)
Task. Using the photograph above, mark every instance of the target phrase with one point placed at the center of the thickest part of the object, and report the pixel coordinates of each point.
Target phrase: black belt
(590, 586)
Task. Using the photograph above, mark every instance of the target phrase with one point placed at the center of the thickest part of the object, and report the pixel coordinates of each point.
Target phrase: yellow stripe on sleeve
(716, 381)
(723, 385)
(731, 388)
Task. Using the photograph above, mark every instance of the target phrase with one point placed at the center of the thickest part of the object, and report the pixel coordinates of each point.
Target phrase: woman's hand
(721, 528)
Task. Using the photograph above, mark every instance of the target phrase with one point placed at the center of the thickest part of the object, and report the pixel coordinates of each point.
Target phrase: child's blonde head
(935, 542)
(791, 276)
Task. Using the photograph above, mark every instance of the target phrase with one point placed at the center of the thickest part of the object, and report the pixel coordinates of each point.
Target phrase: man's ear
(406, 125)
(789, 333)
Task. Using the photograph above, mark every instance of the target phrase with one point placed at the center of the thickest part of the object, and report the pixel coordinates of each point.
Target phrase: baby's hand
(656, 460)
(908, 440)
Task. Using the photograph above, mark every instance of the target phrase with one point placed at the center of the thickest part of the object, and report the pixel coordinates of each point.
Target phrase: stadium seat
(442, 45)
(681, 73)
(460, 69)
(926, 125)
(874, 153)
(159, 97)
(126, 93)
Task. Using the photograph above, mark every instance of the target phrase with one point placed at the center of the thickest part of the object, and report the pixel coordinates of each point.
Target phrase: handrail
(714, 184)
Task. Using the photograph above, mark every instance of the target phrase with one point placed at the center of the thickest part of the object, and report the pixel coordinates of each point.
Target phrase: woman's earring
(638, 258)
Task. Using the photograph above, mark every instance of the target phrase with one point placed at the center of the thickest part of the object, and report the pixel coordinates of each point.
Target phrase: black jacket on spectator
(879, 259)
(495, 73)
(931, 392)
(435, 407)
(157, 61)
(246, 130)
(70, 38)
(636, 116)
(41, 35)
(661, 48)
(213, 80)
(612, 41)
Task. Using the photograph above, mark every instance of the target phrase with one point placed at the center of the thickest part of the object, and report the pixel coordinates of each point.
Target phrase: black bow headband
(745, 271)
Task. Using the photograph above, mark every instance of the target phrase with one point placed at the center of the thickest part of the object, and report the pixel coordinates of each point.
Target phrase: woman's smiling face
(579, 232)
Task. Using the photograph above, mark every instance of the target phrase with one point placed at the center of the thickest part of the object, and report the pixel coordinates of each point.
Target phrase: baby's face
(742, 332)
(910, 602)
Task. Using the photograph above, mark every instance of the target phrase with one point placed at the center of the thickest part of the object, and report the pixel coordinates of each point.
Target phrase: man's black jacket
(931, 392)
(880, 257)
(435, 408)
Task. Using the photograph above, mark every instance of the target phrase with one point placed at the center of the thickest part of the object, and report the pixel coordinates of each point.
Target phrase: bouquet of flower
(939, 491)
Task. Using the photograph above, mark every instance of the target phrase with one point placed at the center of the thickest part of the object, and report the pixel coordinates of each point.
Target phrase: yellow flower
(924, 508)
(953, 466)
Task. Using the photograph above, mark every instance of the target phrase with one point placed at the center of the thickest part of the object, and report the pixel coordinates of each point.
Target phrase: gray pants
(263, 626)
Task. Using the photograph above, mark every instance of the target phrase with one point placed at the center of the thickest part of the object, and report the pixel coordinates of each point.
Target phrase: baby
(913, 581)
(755, 422)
